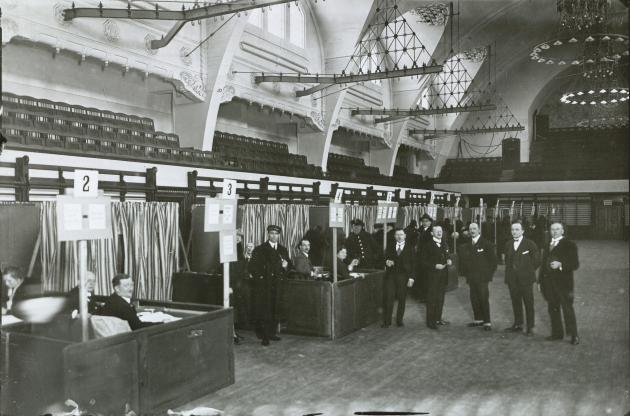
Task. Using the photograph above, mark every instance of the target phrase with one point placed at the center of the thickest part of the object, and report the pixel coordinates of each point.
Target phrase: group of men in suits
(478, 263)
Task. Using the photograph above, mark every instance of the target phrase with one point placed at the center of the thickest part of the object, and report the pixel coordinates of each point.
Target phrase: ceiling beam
(396, 114)
(166, 39)
(468, 131)
(192, 14)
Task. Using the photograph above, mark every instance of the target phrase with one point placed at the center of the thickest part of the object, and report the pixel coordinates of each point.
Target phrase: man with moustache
(522, 258)
(478, 262)
(400, 270)
(435, 260)
(560, 260)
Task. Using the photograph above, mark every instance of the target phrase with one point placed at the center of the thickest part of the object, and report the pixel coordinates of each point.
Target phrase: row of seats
(61, 110)
(45, 124)
(224, 141)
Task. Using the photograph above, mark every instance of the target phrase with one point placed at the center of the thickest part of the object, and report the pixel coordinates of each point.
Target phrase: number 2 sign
(85, 183)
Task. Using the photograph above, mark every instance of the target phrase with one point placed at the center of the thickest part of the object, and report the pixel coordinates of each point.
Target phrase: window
(275, 20)
(255, 18)
(296, 26)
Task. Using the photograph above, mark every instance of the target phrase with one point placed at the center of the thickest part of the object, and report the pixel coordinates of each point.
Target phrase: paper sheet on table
(157, 317)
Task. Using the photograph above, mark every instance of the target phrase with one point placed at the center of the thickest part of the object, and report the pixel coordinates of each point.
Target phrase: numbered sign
(338, 196)
(229, 189)
(390, 195)
(85, 183)
(337, 215)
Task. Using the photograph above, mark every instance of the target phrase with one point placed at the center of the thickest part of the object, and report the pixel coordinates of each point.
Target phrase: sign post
(83, 214)
(220, 216)
(336, 220)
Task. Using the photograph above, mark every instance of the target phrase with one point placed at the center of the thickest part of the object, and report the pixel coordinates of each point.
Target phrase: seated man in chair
(119, 303)
(74, 298)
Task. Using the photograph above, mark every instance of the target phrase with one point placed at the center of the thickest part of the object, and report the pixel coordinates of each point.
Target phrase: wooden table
(151, 369)
(333, 310)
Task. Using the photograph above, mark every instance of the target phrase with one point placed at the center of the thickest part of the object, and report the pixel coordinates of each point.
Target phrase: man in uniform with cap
(361, 245)
(270, 262)
(424, 237)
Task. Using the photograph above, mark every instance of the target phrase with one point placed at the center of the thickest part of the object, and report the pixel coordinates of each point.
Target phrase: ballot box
(333, 310)
(148, 370)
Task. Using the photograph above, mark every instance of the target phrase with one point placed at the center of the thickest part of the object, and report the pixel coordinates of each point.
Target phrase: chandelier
(604, 122)
(581, 49)
(597, 84)
(582, 15)
(609, 96)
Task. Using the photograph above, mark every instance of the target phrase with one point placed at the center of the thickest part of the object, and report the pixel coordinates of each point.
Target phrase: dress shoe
(443, 323)
(514, 328)
(575, 340)
(529, 332)
(385, 326)
(237, 341)
(487, 327)
(275, 338)
(265, 342)
(553, 338)
(474, 324)
(259, 335)
(432, 326)
(400, 324)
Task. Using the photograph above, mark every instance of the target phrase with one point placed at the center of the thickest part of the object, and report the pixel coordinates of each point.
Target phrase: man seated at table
(74, 296)
(119, 303)
(344, 269)
(302, 263)
(12, 287)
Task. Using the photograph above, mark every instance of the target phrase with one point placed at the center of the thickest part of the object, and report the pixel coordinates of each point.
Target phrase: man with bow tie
(478, 264)
(435, 260)
(400, 269)
(269, 263)
(522, 258)
(560, 259)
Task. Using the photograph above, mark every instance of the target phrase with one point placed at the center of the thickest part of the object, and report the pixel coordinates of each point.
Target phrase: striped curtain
(366, 213)
(149, 233)
(409, 213)
(293, 218)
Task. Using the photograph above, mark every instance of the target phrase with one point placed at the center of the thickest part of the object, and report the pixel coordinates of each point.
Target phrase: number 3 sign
(85, 183)
(229, 189)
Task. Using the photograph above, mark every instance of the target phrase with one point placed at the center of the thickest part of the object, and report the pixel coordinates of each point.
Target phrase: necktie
(553, 244)
(398, 249)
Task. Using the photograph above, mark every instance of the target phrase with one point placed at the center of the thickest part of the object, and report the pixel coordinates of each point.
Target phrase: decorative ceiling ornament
(184, 55)
(194, 83)
(580, 49)
(111, 31)
(58, 9)
(579, 16)
(476, 55)
(434, 14)
(147, 44)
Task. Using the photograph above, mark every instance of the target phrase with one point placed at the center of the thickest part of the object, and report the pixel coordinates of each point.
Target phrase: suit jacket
(424, 237)
(303, 265)
(521, 265)
(74, 301)
(478, 262)
(120, 308)
(566, 253)
(404, 263)
(266, 263)
(431, 255)
(342, 270)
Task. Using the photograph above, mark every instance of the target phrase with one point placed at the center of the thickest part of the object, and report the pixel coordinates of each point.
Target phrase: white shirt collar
(555, 240)
(272, 244)
(400, 243)
(127, 299)
(519, 239)
(305, 254)
(475, 239)
(439, 241)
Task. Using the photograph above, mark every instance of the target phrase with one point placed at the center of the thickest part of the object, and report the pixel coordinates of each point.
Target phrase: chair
(107, 326)
(74, 143)
(93, 115)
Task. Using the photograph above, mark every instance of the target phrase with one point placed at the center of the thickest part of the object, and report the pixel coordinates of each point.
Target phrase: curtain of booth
(149, 234)
(413, 212)
(366, 213)
(293, 218)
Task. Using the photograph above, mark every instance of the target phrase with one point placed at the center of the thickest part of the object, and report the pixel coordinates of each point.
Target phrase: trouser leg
(401, 297)
(388, 299)
(475, 300)
(517, 303)
(528, 300)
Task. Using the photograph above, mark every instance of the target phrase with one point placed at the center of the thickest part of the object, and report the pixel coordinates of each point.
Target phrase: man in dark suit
(119, 304)
(74, 296)
(522, 258)
(400, 274)
(560, 260)
(411, 231)
(302, 263)
(361, 245)
(478, 263)
(269, 263)
(14, 288)
(435, 260)
(424, 238)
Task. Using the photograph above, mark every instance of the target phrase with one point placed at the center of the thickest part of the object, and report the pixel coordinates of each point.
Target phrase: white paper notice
(212, 213)
(340, 214)
(97, 219)
(380, 212)
(228, 214)
(333, 215)
(228, 245)
(72, 216)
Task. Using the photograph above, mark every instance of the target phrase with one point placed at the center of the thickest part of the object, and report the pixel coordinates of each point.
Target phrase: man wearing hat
(361, 245)
(424, 238)
(270, 262)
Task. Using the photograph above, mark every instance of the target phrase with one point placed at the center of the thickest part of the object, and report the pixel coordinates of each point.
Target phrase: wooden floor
(458, 370)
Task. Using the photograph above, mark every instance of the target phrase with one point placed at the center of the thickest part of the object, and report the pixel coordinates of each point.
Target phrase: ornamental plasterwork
(111, 31)
(58, 9)
(318, 120)
(433, 14)
(476, 55)
(9, 29)
(193, 84)
(147, 43)
(184, 55)
(231, 75)
(227, 93)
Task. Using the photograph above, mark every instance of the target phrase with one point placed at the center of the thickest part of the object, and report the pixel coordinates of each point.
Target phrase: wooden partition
(149, 370)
